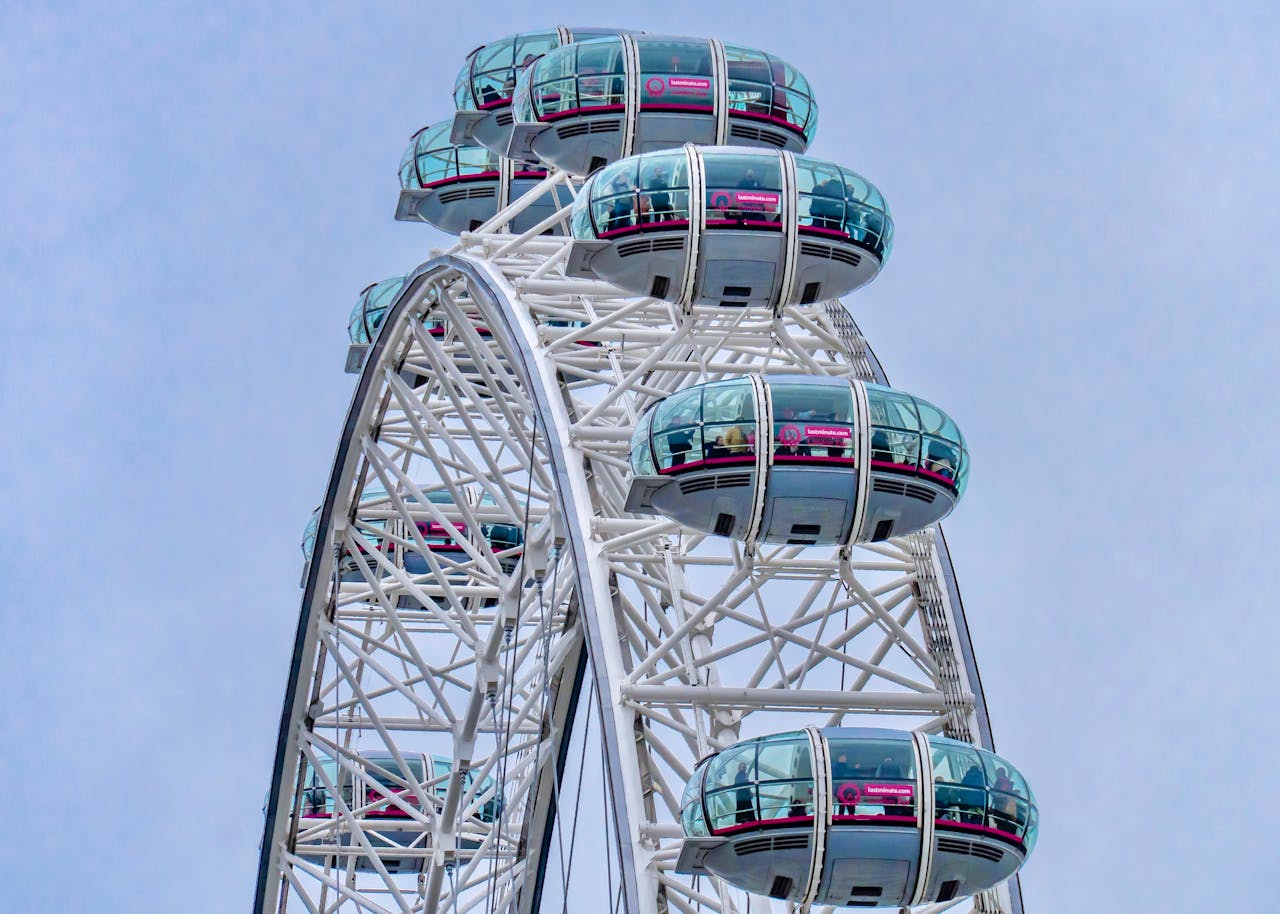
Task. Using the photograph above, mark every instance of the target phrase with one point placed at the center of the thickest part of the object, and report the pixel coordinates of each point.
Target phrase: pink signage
(688, 84)
(850, 793)
(827, 431)
(746, 200)
(431, 528)
(889, 791)
(758, 198)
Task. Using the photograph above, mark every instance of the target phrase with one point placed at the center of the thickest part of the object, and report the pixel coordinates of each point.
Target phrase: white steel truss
(520, 415)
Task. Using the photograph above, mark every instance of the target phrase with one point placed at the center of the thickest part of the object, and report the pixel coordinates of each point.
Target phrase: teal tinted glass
(677, 433)
(614, 195)
(462, 88)
(641, 455)
(784, 777)
(371, 308)
(872, 777)
(497, 67)
(840, 200)
(977, 788)
(675, 72)
(316, 798)
(742, 186)
(935, 422)
(392, 774)
(728, 401)
(764, 87)
(585, 74)
(692, 817)
(729, 419)
(580, 221)
(309, 535)
(796, 400)
(663, 185)
(891, 409)
(674, 55)
(431, 158)
(760, 780)
(812, 420)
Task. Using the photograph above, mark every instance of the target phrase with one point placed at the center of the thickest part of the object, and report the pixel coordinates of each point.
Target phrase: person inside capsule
(382, 776)
(766, 786)
(457, 187)
(580, 88)
(815, 485)
(489, 79)
(745, 238)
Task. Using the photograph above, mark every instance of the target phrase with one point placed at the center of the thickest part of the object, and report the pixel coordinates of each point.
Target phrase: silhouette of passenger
(974, 799)
(659, 196)
(744, 802)
(622, 209)
(941, 461)
(880, 449)
(827, 205)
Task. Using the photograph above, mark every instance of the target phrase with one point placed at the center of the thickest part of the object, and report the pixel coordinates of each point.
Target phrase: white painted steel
(694, 641)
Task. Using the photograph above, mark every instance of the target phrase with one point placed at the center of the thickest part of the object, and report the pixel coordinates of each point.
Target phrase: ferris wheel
(619, 468)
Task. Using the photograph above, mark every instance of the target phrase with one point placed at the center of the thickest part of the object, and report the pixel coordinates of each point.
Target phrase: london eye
(620, 468)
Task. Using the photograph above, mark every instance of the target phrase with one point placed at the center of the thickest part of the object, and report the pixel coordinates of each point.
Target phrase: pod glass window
(977, 790)
(872, 778)
(763, 87)
(432, 158)
(371, 308)
(835, 200)
(489, 76)
(641, 192)
(742, 188)
(761, 780)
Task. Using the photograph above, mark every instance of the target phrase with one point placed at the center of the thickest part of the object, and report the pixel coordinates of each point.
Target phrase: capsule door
(676, 91)
(742, 249)
(812, 487)
(873, 843)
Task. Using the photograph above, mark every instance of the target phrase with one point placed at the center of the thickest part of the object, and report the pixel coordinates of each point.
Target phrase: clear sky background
(1085, 275)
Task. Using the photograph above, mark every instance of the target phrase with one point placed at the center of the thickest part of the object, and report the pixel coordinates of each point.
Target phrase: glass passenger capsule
(797, 459)
(448, 542)
(593, 102)
(366, 320)
(384, 793)
(730, 226)
(371, 307)
(485, 84)
(457, 188)
(904, 818)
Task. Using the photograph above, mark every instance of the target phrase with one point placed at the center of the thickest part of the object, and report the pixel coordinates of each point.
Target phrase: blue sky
(1085, 275)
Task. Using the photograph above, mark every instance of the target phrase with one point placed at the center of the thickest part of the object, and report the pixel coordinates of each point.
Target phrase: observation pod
(447, 541)
(391, 797)
(485, 84)
(797, 459)
(730, 226)
(590, 103)
(892, 818)
(457, 188)
(366, 320)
